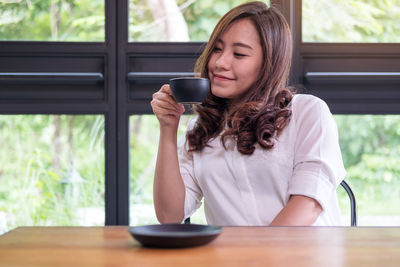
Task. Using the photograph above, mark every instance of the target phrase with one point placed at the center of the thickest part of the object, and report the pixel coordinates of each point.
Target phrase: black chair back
(353, 204)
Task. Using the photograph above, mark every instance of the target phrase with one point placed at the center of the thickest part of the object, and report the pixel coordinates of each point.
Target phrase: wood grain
(236, 246)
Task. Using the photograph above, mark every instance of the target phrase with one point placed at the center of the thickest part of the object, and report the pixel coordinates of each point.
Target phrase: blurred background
(52, 166)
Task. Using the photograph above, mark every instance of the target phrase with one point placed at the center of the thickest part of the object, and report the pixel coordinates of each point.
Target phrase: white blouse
(252, 189)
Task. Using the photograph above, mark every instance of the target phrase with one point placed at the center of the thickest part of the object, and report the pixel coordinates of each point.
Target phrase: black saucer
(175, 235)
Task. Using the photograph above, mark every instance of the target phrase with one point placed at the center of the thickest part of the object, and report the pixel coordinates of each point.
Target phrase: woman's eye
(239, 55)
(217, 49)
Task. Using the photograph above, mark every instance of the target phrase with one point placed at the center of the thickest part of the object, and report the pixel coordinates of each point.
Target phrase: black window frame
(353, 78)
(121, 76)
(77, 78)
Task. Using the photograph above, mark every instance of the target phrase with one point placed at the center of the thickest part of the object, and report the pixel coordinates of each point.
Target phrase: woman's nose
(223, 61)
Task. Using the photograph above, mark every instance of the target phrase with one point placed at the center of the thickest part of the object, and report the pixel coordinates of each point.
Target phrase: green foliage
(48, 178)
(370, 146)
(144, 136)
(60, 20)
(72, 20)
(201, 17)
(351, 21)
(141, 22)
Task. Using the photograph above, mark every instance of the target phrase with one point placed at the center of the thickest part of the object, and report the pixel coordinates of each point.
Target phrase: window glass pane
(144, 134)
(370, 146)
(176, 20)
(366, 21)
(51, 171)
(56, 20)
(371, 150)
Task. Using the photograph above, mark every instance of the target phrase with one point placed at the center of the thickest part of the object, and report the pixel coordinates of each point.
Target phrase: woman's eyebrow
(243, 45)
(240, 44)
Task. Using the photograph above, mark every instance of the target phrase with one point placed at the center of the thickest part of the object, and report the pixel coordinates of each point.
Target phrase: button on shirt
(252, 189)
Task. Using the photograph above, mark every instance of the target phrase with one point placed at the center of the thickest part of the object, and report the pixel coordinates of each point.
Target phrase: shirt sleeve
(318, 164)
(193, 193)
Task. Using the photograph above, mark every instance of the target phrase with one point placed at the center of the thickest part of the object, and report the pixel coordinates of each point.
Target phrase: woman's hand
(167, 111)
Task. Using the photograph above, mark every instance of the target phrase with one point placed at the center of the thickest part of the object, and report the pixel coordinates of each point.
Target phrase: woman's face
(235, 61)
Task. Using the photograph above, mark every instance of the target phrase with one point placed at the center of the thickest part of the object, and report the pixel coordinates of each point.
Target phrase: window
(352, 77)
(370, 147)
(52, 170)
(144, 134)
(59, 20)
(355, 21)
(175, 21)
(69, 81)
(104, 62)
(351, 60)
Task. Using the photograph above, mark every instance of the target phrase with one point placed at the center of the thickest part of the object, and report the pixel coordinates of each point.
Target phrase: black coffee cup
(189, 90)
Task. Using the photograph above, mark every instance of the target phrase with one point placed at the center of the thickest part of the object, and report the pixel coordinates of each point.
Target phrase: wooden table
(236, 246)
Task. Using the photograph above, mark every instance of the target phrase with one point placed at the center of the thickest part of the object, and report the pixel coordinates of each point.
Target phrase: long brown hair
(263, 111)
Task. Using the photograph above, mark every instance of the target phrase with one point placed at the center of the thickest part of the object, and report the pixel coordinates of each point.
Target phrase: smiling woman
(256, 153)
(236, 61)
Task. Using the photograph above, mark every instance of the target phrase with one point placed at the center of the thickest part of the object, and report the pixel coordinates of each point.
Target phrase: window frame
(353, 78)
(132, 72)
(66, 57)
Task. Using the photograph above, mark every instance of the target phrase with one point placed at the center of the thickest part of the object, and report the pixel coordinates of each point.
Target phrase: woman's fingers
(165, 103)
(181, 108)
(165, 107)
(160, 106)
(163, 97)
(166, 89)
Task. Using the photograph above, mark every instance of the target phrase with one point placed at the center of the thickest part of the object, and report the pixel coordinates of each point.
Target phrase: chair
(353, 205)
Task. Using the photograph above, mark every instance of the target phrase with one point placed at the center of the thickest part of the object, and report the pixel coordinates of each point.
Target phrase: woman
(257, 153)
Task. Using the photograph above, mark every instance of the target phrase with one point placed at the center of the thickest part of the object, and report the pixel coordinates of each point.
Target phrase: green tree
(370, 146)
(55, 20)
(200, 15)
(33, 190)
(351, 21)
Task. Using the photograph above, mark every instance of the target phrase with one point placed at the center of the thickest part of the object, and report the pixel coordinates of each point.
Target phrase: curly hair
(263, 111)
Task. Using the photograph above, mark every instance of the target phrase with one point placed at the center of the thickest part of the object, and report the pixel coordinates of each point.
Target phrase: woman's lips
(222, 77)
